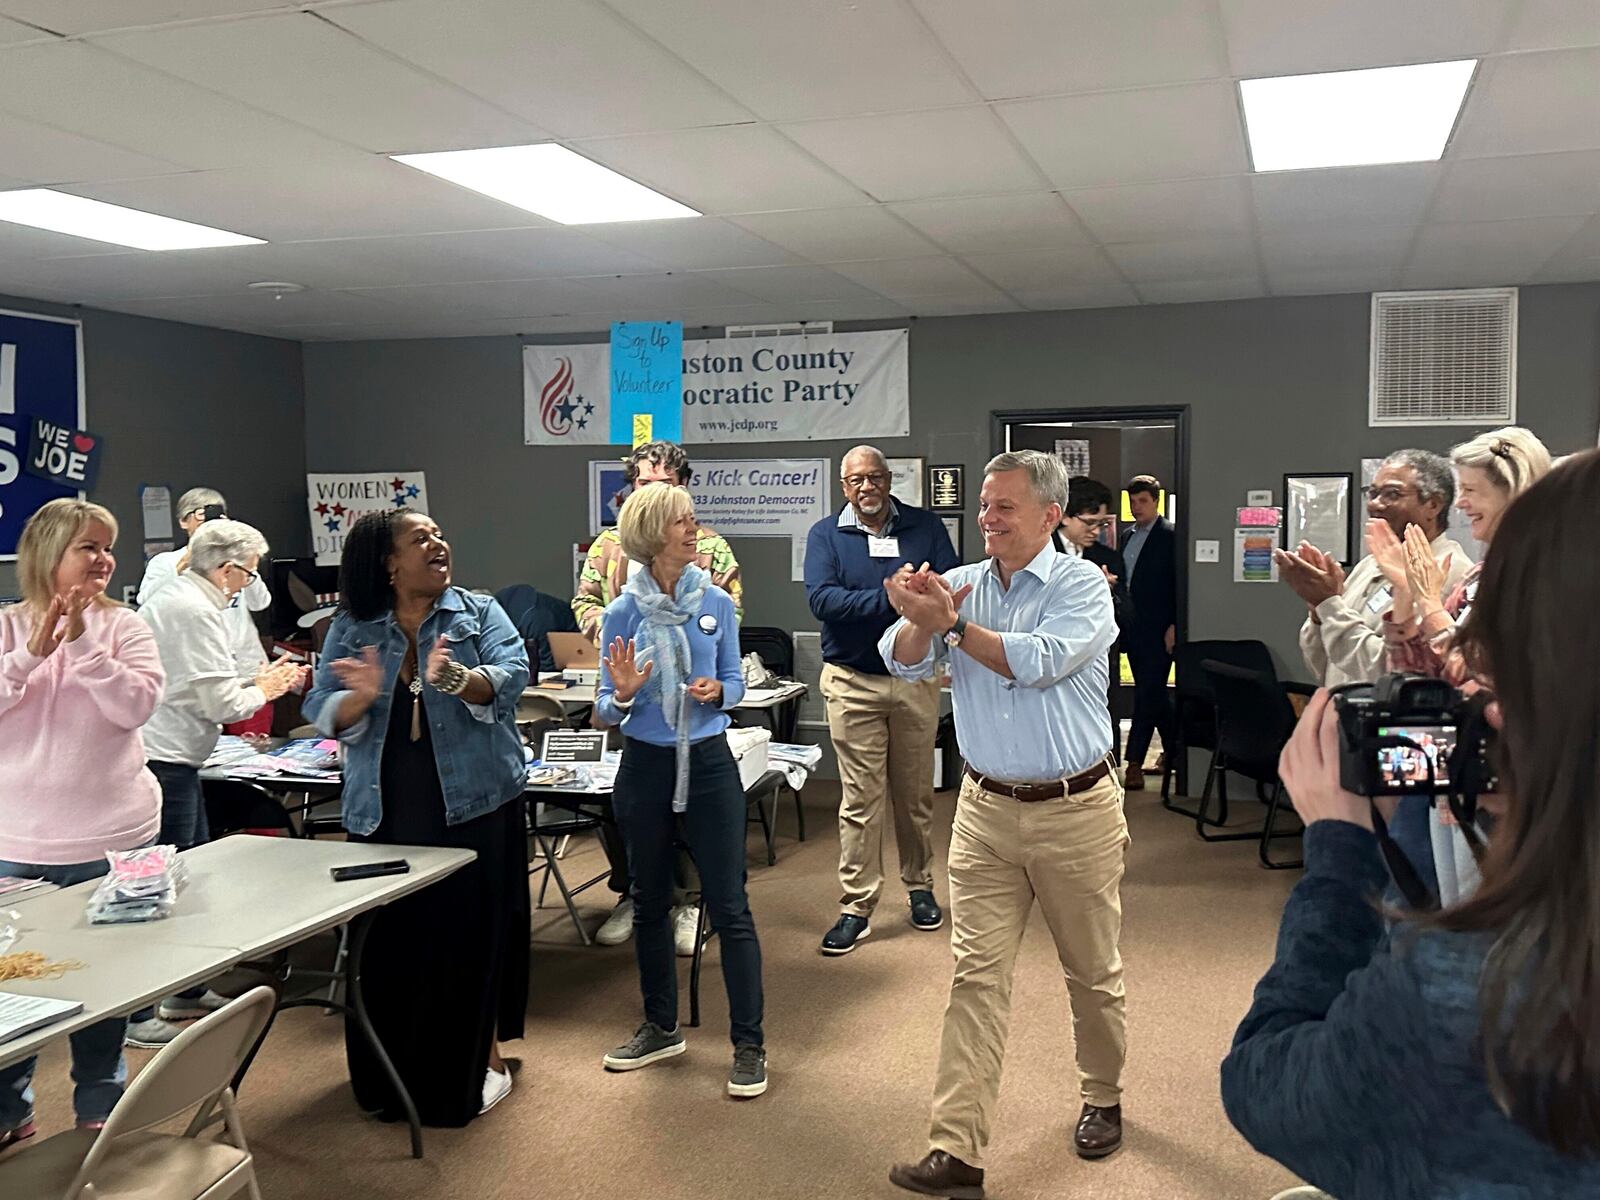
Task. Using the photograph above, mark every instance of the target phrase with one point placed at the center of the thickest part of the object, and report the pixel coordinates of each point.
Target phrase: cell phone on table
(396, 866)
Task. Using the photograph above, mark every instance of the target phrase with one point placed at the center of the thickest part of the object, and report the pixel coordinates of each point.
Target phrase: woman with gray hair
(204, 692)
(670, 675)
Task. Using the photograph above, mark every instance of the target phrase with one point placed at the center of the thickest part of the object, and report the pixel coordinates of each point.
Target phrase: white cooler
(749, 748)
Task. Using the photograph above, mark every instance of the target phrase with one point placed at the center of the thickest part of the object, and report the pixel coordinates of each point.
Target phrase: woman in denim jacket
(419, 681)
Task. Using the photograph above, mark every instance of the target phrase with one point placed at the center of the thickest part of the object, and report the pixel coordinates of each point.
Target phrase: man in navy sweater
(882, 727)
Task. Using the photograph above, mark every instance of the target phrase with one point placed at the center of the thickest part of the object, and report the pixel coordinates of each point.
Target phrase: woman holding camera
(671, 673)
(1492, 470)
(1459, 1054)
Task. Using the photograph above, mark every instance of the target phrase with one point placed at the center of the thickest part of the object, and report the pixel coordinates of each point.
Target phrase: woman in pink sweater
(79, 674)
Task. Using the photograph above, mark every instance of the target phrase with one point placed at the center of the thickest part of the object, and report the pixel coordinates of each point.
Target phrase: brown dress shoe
(1133, 778)
(1099, 1131)
(939, 1174)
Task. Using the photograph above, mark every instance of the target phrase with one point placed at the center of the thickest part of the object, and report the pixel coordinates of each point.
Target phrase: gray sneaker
(650, 1043)
(151, 1034)
(748, 1078)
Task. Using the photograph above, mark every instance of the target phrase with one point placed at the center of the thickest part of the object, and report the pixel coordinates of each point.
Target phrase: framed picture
(906, 480)
(608, 488)
(1318, 509)
(945, 486)
(952, 526)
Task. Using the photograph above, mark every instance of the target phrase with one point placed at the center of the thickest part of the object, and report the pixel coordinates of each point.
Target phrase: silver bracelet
(453, 679)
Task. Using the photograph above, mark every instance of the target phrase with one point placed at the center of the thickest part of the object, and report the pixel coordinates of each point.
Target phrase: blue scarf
(661, 639)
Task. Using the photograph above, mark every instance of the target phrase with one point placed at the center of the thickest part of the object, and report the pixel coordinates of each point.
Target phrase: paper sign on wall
(41, 380)
(646, 373)
(62, 454)
(337, 501)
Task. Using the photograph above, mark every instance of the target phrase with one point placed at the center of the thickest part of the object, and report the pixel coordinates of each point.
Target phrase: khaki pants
(883, 732)
(1068, 854)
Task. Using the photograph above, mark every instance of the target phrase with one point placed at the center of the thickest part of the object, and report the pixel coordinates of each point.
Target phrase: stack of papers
(787, 752)
(315, 758)
(24, 1014)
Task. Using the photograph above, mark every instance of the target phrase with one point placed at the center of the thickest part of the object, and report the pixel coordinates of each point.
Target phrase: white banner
(337, 502)
(845, 386)
(760, 497)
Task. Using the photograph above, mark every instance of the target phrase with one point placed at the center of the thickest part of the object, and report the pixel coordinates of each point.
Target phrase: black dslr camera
(1409, 735)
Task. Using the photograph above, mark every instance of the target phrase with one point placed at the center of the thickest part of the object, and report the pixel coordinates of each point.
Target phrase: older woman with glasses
(204, 692)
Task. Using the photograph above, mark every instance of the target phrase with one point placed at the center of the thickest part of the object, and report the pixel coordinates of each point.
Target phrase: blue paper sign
(646, 382)
(41, 378)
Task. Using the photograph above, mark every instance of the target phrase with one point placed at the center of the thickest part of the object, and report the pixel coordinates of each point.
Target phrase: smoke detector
(276, 288)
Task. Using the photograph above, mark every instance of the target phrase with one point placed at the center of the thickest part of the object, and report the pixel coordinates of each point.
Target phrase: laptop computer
(574, 650)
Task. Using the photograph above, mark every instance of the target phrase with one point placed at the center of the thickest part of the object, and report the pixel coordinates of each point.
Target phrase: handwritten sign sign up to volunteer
(646, 379)
(41, 383)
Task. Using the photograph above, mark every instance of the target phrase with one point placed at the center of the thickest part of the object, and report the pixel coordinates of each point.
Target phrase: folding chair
(194, 1072)
(1254, 723)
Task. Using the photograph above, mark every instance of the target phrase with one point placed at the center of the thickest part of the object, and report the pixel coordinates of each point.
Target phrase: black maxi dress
(445, 970)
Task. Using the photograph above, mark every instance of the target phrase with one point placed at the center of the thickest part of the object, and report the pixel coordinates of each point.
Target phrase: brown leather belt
(1054, 790)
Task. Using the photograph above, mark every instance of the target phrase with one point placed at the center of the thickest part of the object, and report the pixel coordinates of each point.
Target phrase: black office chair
(1195, 717)
(1254, 723)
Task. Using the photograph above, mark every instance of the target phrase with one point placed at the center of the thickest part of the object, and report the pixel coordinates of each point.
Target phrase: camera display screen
(1406, 767)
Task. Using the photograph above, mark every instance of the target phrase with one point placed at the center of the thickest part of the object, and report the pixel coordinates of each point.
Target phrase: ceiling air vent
(1444, 358)
(788, 329)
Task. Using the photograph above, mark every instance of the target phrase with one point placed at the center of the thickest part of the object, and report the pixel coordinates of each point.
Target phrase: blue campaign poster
(647, 381)
(41, 376)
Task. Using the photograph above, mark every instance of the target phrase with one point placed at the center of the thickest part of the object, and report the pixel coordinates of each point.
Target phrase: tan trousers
(883, 732)
(1068, 854)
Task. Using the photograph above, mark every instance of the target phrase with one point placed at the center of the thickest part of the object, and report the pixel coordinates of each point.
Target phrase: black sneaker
(846, 932)
(925, 912)
(650, 1043)
(748, 1078)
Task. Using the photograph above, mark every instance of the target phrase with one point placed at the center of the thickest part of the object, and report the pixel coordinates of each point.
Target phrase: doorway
(1113, 445)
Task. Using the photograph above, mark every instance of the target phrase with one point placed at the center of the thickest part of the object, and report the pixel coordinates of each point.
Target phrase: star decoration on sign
(333, 524)
(322, 510)
(413, 490)
(398, 484)
(566, 409)
(339, 510)
(399, 501)
(581, 422)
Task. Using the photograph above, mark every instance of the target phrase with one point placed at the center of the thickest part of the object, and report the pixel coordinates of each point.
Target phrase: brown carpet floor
(851, 1042)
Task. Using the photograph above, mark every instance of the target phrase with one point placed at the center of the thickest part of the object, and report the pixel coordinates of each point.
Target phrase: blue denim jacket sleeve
(503, 659)
(327, 693)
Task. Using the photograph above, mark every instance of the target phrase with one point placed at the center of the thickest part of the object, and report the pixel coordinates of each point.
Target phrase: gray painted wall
(1276, 386)
(185, 406)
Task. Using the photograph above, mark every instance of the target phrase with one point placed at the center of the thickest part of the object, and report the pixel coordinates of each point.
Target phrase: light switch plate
(1207, 551)
(1263, 497)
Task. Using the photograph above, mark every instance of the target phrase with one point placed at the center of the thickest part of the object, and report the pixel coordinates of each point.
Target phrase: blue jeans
(183, 824)
(713, 828)
(99, 1071)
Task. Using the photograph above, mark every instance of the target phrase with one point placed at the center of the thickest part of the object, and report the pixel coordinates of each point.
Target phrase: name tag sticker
(1381, 599)
(883, 547)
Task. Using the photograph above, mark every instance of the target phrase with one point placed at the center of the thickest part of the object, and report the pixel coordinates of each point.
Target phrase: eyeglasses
(249, 575)
(857, 482)
(1386, 495)
(1096, 523)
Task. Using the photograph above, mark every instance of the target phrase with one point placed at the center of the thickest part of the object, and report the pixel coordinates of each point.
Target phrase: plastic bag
(142, 885)
(756, 673)
(10, 927)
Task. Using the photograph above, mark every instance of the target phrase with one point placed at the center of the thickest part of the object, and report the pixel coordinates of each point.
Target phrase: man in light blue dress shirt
(1040, 811)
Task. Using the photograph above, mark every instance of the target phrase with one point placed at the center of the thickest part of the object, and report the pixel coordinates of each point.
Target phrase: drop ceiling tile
(1334, 282)
(915, 156)
(40, 154)
(1201, 291)
(1567, 269)
(1151, 212)
(664, 295)
(337, 84)
(486, 300)
(1042, 47)
(1529, 185)
(962, 306)
(572, 67)
(1292, 37)
(874, 308)
(1381, 196)
(88, 16)
(441, 258)
(794, 61)
(839, 234)
(84, 89)
(693, 242)
(791, 285)
(1510, 251)
(1550, 24)
(1186, 259)
(12, 32)
(1091, 295)
(261, 312)
(1532, 104)
(973, 224)
(910, 278)
(1116, 138)
(23, 243)
(360, 196)
(1333, 249)
(1586, 242)
(1040, 270)
(133, 274)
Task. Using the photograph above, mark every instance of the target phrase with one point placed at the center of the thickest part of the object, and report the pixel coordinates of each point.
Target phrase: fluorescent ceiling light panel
(552, 181)
(45, 208)
(1354, 118)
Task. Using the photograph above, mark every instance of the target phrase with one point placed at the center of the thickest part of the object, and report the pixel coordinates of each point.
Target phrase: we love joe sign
(66, 456)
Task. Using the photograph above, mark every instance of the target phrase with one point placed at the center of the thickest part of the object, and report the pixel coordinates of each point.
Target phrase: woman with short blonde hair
(646, 518)
(79, 675)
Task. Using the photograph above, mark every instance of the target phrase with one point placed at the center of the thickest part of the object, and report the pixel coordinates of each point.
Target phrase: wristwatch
(952, 637)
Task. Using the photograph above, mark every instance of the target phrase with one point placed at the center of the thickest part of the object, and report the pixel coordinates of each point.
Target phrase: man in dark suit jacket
(1149, 548)
(1088, 514)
